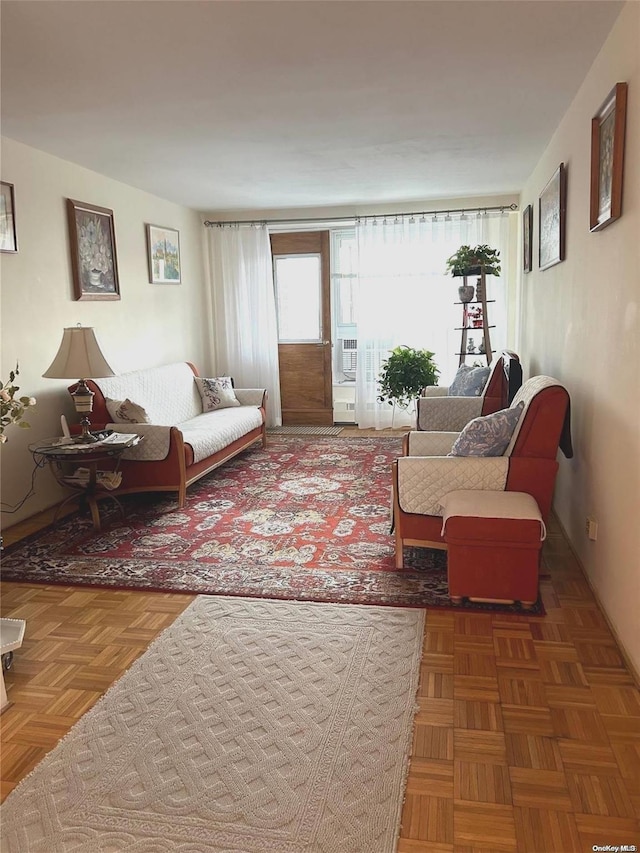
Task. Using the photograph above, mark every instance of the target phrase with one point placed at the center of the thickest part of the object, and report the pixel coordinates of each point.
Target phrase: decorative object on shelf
(8, 233)
(475, 315)
(465, 292)
(12, 409)
(471, 261)
(527, 238)
(163, 248)
(93, 251)
(607, 158)
(551, 219)
(79, 354)
(404, 374)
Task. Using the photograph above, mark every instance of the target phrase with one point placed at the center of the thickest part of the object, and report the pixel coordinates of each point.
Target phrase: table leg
(95, 512)
(93, 499)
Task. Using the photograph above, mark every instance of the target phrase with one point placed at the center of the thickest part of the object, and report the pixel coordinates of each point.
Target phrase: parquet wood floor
(527, 736)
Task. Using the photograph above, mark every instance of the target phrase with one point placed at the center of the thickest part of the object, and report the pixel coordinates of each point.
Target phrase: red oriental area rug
(306, 519)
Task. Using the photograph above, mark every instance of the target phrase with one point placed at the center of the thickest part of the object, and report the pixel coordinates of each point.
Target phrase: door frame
(291, 354)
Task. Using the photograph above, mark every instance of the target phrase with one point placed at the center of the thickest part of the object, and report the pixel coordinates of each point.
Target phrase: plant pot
(459, 271)
(465, 292)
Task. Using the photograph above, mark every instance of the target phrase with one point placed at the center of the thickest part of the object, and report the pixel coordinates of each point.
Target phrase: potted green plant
(404, 374)
(474, 260)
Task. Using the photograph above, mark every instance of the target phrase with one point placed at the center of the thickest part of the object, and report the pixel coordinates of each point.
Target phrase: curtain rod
(208, 223)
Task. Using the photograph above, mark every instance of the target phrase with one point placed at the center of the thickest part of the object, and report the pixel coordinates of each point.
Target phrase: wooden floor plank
(527, 736)
(485, 825)
(540, 830)
(481, 782)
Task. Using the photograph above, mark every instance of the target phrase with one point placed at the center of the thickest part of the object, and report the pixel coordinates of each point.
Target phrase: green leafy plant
(404, 374)
(12, 409)
(469, 261)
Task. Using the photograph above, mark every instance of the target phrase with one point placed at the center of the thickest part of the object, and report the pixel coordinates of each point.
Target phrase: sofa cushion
(126, 412)
(210, 432)
(216, 393)
(168, 393)
(489, 435)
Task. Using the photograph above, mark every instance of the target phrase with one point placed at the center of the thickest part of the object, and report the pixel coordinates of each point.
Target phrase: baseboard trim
(635, 673)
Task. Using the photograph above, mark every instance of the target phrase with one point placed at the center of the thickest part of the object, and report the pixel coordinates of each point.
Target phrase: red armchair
(426, 473)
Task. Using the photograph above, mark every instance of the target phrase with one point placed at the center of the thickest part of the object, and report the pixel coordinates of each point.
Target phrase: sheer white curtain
(405, 297)
(245, 335)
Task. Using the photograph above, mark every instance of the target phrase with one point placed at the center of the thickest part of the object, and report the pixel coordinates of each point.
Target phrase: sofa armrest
(447, 413)
(435, 391)
(424, 480)
(429, 443)
(156, 441)
(251, 396)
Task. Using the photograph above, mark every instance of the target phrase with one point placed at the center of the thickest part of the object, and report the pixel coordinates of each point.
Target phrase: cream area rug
(249, 725)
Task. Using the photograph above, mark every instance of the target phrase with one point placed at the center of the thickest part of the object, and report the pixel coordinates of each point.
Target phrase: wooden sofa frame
(177, 471)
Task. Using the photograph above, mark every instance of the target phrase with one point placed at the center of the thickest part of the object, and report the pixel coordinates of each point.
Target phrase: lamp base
(86, 437)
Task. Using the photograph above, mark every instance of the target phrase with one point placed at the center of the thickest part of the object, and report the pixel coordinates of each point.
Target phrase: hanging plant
(472, 261)
(404, 374)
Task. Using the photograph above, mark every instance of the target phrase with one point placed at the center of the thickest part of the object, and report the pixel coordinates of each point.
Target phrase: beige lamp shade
(78, 356)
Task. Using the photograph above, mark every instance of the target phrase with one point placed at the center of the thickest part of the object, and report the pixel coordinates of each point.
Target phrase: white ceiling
(225, 106)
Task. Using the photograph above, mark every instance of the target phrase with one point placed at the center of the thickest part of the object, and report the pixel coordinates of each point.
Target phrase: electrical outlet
(591, 528)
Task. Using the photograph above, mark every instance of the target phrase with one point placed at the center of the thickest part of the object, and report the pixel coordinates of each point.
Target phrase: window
(298, 290)
(344, 304)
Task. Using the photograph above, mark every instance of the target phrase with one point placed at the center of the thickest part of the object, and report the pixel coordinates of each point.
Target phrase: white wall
(149, 325)
(580, 323)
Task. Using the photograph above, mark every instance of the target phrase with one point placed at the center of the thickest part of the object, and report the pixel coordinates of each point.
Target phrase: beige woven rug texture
(249, 725)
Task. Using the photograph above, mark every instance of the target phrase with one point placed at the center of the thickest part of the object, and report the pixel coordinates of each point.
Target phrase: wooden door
(303, 304)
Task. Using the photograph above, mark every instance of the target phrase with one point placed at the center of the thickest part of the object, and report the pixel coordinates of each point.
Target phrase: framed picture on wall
(93, 251)
(163, 247)
(8, 234)
(527, 238)
(607, 158)
(551, 220)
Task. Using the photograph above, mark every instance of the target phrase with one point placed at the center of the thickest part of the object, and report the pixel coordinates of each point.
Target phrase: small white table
(11, 635)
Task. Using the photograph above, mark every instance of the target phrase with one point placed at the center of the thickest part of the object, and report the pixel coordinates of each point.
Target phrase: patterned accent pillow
(489, 435)
(126, 412)
(469, 381)
(475, 382)
(216, 393)
(455, 389)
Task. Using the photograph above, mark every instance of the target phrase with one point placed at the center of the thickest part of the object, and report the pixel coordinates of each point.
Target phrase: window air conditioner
(348, 356)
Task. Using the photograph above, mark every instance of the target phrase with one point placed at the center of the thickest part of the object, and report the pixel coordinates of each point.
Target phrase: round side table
(81, 467)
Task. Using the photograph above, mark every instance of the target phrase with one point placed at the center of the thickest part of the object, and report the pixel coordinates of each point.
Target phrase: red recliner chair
(426, 473)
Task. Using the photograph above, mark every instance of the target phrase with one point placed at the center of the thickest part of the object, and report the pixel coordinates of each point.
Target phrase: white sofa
(181, 443)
